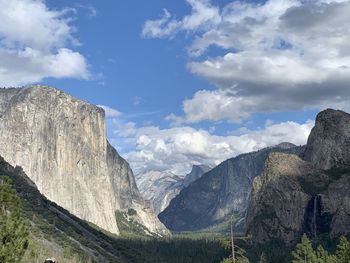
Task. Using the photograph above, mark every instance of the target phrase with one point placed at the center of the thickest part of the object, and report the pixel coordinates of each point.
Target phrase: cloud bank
(281, 55)
(35, 43)
(178, 148)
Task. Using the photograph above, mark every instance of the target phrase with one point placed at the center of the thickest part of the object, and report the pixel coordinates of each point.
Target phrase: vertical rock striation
(61, 144)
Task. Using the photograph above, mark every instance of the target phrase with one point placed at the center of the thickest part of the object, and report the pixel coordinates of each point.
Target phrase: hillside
(56, 232)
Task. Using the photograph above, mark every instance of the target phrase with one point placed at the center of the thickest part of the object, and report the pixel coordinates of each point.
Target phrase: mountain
(329, 140)
(222, 191)
(54, 232)
(312, 196)
(53, 229)
(60, 142)
(159, 188)
(196, 173)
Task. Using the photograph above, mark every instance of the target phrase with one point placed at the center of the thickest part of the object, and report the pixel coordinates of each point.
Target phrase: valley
(272, 197)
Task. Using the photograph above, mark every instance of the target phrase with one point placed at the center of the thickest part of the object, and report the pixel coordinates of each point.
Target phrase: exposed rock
(293, 196)
(159, 188)
(196, 173)
(329, 140)
(276, 195)
(222, 191)
(61, 144)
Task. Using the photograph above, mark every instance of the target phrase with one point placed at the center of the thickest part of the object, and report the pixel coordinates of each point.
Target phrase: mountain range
(219, 193)
(78, 192)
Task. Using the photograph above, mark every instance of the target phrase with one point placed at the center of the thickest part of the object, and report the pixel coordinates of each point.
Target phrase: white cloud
(178, 148)
(110, 112)
(34, 44)
(213, 105)
(280, 55)
(202, 17)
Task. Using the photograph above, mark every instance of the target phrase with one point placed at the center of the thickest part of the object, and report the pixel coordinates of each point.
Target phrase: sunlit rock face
(61, 144)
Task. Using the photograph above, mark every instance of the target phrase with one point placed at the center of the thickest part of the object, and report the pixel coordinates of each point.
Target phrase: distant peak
(201, 166)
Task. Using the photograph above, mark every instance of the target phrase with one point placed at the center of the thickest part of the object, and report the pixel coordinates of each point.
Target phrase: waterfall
(314, 219)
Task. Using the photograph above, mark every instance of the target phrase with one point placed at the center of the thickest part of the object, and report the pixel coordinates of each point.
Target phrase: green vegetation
(54, 232)
(128, 226)
(13, 229)
(240, 256)
(304, 252)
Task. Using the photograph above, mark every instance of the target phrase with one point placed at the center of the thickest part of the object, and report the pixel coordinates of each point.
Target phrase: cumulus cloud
(178, 148)
(34, 44)
(278, 55)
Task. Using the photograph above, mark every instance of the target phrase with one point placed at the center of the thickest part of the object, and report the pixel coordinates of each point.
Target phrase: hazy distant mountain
(196, 173)
(60, 142)
(222, 191)
(159, 188)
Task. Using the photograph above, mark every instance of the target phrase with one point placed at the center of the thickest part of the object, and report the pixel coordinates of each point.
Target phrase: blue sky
(188, 81)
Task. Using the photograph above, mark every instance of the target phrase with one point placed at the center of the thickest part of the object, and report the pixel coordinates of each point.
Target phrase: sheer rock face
(329, 140)
(61, 144)
(295, 196)
(159, 188)
(218, 193)
(278, 202)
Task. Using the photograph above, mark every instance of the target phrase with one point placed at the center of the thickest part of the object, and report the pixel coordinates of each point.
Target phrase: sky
(188, 81)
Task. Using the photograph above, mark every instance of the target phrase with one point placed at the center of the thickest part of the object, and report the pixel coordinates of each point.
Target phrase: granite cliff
(329, 140)
(159, 188)
(312, 196)
(60, 142)
(219, 193)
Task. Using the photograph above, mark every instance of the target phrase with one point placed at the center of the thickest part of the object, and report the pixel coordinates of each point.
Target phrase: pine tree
(343, 251)
(304, 252)
(13, 230)
(323, 256)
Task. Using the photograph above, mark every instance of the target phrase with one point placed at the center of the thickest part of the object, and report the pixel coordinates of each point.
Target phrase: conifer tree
(323, 256)
(304, 252)
(13, 230)
(343, 251)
